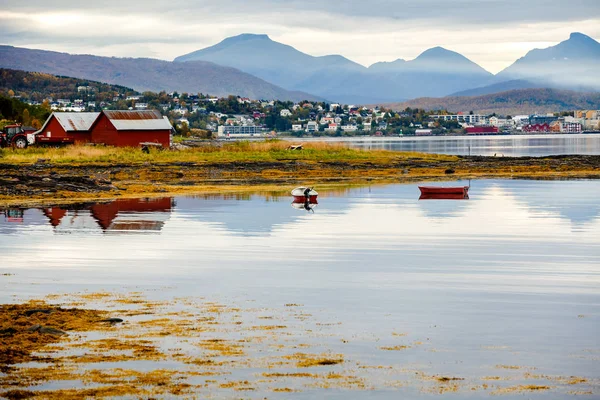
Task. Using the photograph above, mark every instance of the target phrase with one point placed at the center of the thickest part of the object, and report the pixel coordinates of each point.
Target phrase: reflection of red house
(105, 213)
(54, 214)
(537, 128)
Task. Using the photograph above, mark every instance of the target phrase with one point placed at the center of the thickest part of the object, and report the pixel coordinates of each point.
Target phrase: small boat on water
(301, 194)
(438, 190)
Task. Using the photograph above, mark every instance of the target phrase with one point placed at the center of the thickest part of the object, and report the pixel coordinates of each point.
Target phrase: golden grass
(239, 151)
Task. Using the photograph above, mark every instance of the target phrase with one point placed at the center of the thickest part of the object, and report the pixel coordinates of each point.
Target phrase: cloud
(492, 33)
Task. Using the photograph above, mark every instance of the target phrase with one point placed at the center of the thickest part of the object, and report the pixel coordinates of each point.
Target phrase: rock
(51, 331)
(34, 328)
(38, 310)
(8, 331)
(112, 320)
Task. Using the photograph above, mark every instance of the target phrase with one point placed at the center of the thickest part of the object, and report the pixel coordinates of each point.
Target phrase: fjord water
(510, 276)
(501, 145)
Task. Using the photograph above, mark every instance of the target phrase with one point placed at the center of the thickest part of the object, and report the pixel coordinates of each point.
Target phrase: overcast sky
(493, 33)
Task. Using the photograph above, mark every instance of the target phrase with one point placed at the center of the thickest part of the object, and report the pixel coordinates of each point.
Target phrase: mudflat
(82, 172)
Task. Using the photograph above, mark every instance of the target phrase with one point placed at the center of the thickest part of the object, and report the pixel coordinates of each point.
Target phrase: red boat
(438, 190)
(300, 195)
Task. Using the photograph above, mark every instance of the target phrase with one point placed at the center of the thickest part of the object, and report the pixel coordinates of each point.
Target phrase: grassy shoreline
(80, 173)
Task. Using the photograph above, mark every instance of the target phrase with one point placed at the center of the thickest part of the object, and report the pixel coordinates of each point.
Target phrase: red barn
(130, 128)
(67, 127)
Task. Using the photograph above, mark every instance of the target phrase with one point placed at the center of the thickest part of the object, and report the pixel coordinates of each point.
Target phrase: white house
(285, 113)
(312, 126)
(296, 127)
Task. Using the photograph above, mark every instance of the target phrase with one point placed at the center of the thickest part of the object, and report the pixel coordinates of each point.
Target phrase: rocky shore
(43, 180)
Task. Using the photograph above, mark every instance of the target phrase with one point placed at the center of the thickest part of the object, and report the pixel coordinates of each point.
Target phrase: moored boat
(437, 190)
(301, 194)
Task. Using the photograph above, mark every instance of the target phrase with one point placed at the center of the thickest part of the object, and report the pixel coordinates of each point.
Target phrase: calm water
(507, 145)
(509, 277)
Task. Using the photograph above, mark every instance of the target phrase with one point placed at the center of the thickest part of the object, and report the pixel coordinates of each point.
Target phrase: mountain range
(512, 102)
(255, 66)
(144, 74)
(436, 72)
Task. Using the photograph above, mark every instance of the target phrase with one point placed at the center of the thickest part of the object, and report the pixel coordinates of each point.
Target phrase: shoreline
(215, 170)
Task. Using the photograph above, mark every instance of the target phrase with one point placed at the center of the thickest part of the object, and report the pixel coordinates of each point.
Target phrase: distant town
(199, 115)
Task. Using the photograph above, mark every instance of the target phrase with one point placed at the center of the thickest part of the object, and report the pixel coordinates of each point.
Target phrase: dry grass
(228, 152)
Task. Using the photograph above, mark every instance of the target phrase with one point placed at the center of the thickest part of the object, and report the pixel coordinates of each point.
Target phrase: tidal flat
(131, 346)
(375, 294)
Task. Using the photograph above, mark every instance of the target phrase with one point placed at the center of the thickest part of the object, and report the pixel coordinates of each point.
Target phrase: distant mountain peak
(435, 52)
(579, 36)
(248, 36)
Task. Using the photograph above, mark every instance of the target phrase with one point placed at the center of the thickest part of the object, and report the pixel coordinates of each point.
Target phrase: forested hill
(145, 74)
(513, 102)
(37, 86)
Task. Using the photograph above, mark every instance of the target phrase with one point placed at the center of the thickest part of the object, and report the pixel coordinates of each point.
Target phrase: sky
(492, 33)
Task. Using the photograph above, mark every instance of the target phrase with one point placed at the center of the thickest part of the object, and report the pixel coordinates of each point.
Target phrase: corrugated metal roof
(133, 115)
(76, 121)
(142, 124)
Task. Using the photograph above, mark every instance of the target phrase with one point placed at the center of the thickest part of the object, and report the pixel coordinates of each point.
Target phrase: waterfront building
(239, 130)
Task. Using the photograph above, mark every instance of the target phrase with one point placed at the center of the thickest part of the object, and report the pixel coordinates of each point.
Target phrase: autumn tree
(26, 117)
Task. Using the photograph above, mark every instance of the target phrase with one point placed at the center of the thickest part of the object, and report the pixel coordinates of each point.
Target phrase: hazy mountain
(148, 74)
(260, 56)
(498, 87)
(436, 72)
(573, 63)
(513, 102)
(283, 65)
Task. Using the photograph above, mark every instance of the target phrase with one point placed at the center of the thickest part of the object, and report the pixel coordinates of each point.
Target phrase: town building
(481, 130)
(332, 127)
(423, 132)
(537, 128)
(312, 126)
(571, 127)
(473, 119)
(239, 130)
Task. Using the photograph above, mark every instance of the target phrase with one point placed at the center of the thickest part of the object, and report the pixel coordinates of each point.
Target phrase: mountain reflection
(494, 207)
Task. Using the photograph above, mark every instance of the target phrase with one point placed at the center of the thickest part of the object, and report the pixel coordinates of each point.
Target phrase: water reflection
(117, 216)
(510, 146)
(265, 213)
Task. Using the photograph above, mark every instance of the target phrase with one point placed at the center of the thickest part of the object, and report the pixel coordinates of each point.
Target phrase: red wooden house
(67, 127)
(130, 128)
